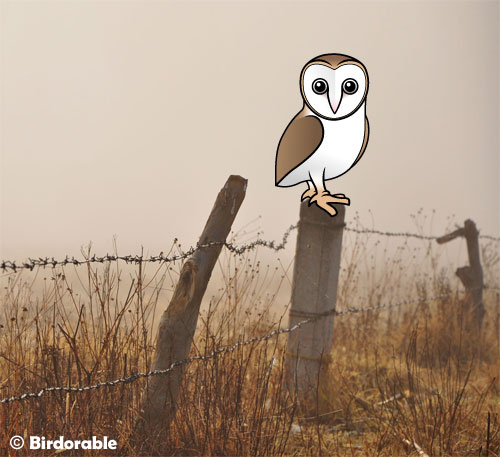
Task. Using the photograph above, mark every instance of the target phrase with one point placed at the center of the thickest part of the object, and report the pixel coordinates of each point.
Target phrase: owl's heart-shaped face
(334, 93)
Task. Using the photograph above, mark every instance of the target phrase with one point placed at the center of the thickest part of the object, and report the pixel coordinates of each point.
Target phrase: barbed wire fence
(221, 351)
(31, 264)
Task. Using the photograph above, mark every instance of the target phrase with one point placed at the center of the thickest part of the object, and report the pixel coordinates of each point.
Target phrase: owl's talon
(309, 193)
(336, 198)
(342, 199)
(323, 199)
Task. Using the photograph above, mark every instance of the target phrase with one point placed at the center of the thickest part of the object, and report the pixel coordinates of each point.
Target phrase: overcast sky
(125, 118)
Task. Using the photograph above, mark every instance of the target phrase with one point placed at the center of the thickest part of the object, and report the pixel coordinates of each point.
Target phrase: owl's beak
(335, 102)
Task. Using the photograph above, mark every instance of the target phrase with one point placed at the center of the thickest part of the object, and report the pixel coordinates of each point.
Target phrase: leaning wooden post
(178, 323)
(314, 291)
(472, 274)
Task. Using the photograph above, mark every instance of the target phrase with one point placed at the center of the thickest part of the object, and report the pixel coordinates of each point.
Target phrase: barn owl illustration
(329, 135)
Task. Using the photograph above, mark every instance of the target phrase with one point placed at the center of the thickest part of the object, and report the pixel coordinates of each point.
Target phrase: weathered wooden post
(315, 281)
(178, 323)
(472, 274)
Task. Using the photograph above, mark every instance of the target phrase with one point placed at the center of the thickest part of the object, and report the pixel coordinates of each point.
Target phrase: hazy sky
(125, 118)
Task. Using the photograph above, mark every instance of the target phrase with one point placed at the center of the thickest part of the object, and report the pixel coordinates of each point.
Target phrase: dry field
(414, 378)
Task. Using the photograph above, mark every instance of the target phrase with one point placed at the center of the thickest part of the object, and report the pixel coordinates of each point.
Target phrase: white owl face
(334, 94)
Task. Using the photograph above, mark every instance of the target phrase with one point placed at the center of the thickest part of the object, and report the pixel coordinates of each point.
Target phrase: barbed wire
(43, 262)
(489, 237)
(52, 262)
(31, 264)
(408, 234)
(391, 234)
(227, 349)
(135, 376)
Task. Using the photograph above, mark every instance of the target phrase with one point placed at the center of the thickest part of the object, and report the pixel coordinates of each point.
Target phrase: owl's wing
(299, 141)
(365, 142)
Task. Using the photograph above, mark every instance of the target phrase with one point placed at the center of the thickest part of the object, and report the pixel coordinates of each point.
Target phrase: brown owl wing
(365, 142)
(299, 141)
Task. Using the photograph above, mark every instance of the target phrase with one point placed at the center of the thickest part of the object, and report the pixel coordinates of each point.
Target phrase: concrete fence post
(314, 291)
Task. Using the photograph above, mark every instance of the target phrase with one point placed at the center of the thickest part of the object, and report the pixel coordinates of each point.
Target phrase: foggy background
(126, 118)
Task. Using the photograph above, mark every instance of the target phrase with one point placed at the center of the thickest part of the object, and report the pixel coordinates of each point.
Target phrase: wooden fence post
(178, 322)
(314, 291)
(472, 274)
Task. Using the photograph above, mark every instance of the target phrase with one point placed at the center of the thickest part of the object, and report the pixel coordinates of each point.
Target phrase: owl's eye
(320, 86)
(350, 86)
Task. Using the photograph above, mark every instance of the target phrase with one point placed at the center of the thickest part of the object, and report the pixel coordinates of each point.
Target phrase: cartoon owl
(329, 135)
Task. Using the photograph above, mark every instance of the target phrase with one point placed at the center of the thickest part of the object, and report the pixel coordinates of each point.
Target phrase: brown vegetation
(415, 378)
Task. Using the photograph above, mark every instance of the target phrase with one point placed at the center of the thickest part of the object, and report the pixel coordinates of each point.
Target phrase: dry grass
(416, 377)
